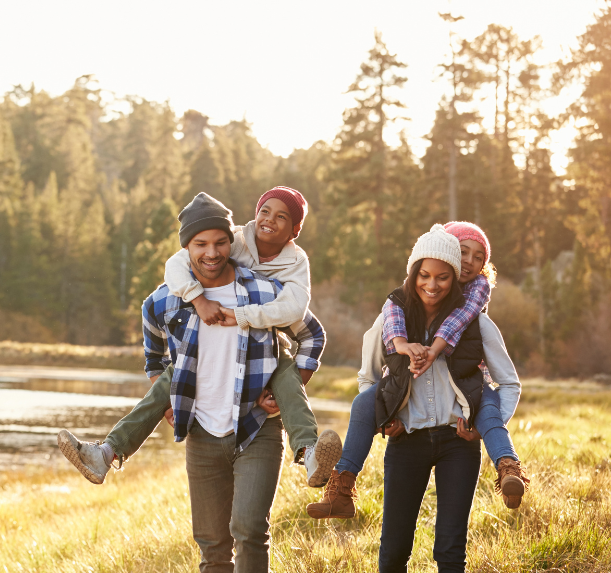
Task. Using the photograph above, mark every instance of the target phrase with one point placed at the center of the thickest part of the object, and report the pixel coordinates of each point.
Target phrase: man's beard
(207, 273)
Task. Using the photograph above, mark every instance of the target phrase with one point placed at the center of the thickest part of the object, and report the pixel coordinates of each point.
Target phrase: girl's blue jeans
(362, 430)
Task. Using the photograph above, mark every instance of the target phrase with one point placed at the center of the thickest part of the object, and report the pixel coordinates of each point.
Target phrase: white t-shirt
(216, 362)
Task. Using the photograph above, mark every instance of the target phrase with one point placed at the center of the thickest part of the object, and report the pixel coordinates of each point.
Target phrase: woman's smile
(433, 283)
(430, 293)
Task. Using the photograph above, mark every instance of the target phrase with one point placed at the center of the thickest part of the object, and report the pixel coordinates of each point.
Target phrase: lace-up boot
(338, 499)
(511, 482)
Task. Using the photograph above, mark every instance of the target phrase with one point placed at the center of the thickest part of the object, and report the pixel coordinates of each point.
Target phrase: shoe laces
(510, 468)
(334, 488)
(308, 453)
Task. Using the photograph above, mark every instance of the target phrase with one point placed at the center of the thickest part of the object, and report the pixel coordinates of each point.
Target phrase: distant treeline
(89, 196)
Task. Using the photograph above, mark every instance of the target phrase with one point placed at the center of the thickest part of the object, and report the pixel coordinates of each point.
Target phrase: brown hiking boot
(511, 482)
(338, 500)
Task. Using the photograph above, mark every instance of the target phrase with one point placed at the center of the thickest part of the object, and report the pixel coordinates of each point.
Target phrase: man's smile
(211, 265)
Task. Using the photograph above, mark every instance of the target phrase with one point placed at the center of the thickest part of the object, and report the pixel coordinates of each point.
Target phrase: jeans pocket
(195, 427)
(394, 439)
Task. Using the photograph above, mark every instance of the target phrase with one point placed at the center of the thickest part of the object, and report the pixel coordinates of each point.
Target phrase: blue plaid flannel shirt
(171, 328)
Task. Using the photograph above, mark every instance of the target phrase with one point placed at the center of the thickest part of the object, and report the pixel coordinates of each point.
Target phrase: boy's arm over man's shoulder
(291, 304)
(178, 271)
(155, 340)
(178, 277)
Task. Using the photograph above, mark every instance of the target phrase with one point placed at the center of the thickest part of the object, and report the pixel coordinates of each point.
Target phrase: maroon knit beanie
(464, 231)
(295, 201)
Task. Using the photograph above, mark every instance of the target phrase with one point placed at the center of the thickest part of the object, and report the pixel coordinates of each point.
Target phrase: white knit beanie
(437, 244)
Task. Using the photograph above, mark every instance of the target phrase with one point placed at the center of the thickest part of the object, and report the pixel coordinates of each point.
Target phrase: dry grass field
(139, 521)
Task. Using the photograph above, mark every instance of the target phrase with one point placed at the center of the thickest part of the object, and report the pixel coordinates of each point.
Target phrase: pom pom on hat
(437, 244)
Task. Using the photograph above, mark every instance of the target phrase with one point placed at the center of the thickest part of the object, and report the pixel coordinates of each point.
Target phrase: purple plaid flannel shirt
(477, 296)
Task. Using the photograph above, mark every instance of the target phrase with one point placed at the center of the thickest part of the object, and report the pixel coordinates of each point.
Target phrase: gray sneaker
(86, 457)
(320, 459)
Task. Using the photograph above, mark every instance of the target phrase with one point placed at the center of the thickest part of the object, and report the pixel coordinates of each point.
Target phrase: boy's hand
(208, 310)
(228, 317)
(463, 431)
(169, 416)
(267, 401)
(306, 375)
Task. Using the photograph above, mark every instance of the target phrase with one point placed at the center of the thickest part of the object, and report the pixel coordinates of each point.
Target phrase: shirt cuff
(152, 373)
(450, 346)
(306, 363)
(192, 294)
(241, 318)
(449, 349)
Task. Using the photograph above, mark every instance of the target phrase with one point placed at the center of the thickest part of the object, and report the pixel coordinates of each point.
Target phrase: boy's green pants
(131, 432)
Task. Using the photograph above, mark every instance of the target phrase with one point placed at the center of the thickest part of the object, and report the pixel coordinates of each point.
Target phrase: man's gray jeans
(232, 496)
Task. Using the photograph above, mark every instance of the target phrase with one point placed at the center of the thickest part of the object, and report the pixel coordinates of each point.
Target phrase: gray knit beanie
(204, 213)
(437, 244)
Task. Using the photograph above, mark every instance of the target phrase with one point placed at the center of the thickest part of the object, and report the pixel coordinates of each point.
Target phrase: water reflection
(33, 408)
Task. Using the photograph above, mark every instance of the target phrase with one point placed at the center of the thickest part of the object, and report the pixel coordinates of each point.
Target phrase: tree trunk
(537, 250)
(123, 277)
(452, 199)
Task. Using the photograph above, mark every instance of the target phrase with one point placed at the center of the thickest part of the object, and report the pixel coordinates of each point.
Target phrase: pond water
(37, 402)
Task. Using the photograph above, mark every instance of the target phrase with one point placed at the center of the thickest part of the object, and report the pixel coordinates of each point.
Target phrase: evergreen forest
(89, 196)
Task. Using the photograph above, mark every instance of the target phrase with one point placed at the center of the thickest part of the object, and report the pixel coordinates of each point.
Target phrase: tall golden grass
(54, 521)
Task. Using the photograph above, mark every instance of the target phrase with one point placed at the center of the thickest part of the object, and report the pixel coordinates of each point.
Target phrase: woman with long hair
(428, 413)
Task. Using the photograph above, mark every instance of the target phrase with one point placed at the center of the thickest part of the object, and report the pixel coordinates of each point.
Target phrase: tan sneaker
(511, 482)
(338, 500)
(320, 459)
(86, 457)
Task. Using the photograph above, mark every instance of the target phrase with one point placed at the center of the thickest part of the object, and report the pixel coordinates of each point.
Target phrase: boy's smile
(273, 227)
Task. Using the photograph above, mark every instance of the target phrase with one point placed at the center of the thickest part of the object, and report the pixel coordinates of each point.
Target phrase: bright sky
(283, 65)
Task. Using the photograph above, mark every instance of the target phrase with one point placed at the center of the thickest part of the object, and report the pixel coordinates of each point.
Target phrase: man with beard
(234, 451)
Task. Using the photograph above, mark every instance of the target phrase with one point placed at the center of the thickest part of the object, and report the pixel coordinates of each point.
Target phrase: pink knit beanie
(295, 201)
(464, 231)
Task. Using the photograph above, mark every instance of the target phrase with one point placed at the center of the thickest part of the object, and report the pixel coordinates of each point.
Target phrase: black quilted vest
(463, 365)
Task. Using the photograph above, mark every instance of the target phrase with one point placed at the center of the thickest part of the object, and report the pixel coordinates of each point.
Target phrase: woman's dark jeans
(407, 467)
